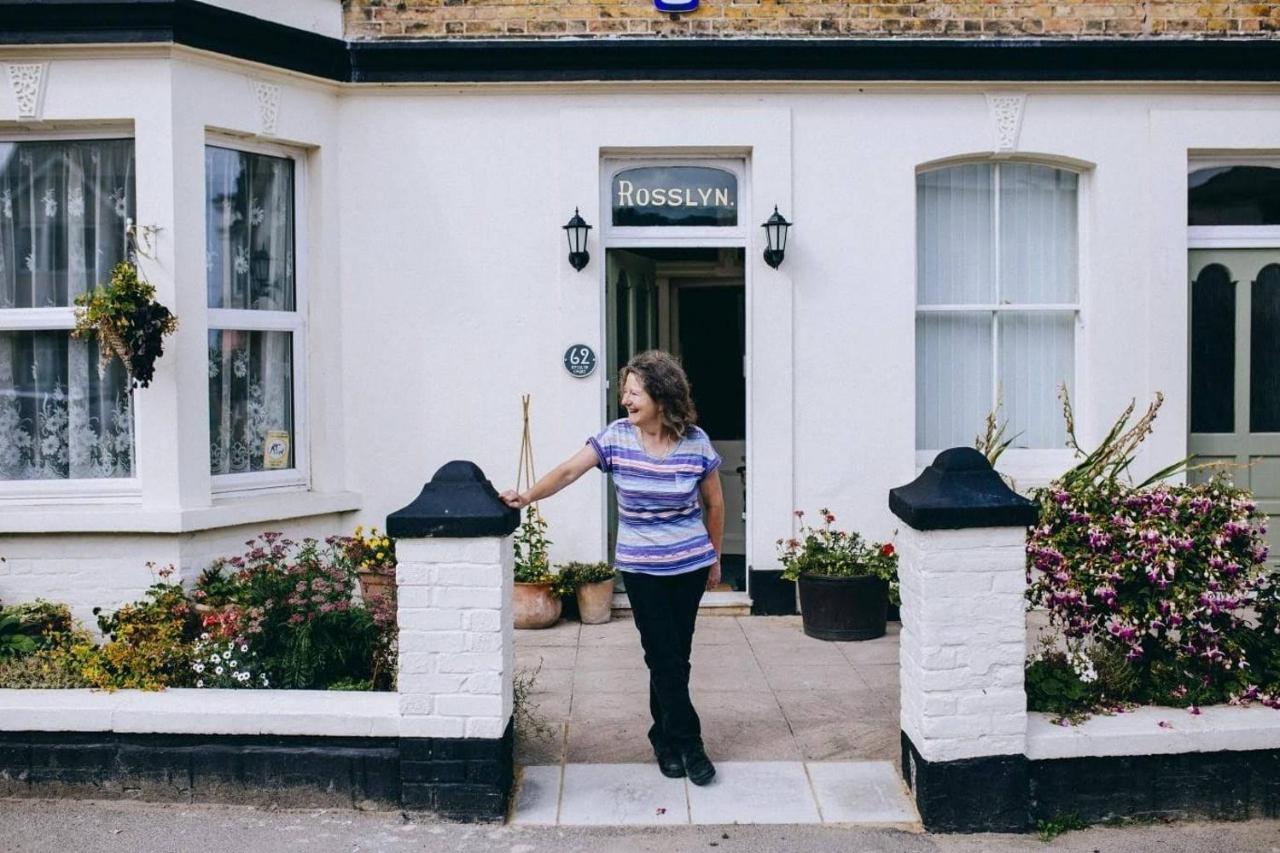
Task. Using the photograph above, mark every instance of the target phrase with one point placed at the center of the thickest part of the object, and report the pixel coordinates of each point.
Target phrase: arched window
(997, 300)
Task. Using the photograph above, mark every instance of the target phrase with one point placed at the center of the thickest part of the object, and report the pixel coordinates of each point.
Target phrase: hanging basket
(127, 321)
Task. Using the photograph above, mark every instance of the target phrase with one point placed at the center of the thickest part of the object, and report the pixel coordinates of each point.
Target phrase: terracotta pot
(535, 605)
(595, 602)
(375, 585)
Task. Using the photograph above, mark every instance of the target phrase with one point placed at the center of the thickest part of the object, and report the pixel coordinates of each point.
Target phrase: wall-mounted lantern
(576, 232)
(775, 230)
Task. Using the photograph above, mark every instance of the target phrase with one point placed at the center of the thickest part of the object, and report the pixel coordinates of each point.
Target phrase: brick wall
(367, 19)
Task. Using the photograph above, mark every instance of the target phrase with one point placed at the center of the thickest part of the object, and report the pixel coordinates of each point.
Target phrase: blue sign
(675, 5)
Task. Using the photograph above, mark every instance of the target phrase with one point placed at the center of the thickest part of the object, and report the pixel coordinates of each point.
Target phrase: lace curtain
(249, 260)
(63, 207)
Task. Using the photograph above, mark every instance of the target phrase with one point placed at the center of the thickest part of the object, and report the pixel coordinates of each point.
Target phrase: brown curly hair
(665, 381)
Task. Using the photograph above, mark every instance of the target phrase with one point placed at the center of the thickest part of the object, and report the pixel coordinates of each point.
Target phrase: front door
(1235, 372)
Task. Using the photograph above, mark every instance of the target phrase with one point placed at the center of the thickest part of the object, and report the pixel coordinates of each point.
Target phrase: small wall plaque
(580, 361)
(675, 5)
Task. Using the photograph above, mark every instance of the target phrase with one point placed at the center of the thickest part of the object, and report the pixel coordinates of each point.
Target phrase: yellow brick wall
(366, 19)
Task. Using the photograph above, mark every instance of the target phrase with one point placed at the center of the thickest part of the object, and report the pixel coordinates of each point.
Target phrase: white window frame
(1232, 236)
(297, 478)
(1030, 466)
(79, 490)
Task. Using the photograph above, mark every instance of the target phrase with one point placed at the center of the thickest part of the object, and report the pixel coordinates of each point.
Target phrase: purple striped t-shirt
(660, 528)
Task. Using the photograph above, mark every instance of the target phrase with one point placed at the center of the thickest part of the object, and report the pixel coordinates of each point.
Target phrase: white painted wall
(440, 291)
(317, 16)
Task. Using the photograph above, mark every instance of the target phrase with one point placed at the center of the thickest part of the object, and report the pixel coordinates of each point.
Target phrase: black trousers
(665, 609)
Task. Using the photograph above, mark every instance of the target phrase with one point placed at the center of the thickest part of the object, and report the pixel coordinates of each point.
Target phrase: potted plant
(593, 587)
(535, 601)
(843, 580)
(374, 558)
(127, 321)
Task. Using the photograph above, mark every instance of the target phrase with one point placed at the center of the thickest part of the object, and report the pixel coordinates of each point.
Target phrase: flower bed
(284, 614)
(1160, 591)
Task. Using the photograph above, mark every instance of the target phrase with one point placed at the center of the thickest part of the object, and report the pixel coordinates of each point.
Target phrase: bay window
(256, 319)
(997, 301)
(63, 210)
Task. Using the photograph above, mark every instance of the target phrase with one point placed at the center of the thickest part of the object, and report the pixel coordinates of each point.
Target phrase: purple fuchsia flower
(1098, 539)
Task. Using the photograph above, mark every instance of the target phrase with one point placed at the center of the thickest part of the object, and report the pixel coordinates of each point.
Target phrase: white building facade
(369, 270)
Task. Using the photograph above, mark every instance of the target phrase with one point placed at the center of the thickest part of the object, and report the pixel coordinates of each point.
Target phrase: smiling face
(641, 408)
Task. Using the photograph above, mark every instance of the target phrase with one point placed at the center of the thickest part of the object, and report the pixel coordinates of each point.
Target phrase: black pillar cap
(458, 503)
(960, 489)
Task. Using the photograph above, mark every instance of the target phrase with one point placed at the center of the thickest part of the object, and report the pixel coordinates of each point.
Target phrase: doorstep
(869, 793)
(713, 604)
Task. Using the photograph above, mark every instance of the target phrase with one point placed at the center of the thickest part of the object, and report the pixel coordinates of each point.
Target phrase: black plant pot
(894, 613)
(843, 608)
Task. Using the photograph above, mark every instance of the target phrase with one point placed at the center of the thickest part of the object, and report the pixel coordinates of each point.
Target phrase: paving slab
(750, 740)
(621, 795)
(609, 741)
(808, 677)
(563, 633)
(754, 792)
(861, 792)
(538, 798)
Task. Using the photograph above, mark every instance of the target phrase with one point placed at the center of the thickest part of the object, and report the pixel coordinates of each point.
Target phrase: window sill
(223, 512)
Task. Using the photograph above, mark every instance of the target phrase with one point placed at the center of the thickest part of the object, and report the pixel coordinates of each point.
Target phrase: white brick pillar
(963, 644)
(963, 641)
(454, 583)
(457, 655)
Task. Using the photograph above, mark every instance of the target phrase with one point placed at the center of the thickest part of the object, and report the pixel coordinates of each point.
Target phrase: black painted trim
(988, 794)
(771, 595)
(198, 25)
(1010, 793)
(264, 769)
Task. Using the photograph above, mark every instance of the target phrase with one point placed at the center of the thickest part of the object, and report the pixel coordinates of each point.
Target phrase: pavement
(764, 692)
(69, 826)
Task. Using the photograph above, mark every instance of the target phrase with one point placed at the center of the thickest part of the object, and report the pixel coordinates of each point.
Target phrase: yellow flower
(359, 530)
(386, 543)
(379, 555)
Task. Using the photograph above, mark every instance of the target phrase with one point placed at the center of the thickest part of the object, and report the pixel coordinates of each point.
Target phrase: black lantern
(775, 230)
(576, 232)
(260, 267)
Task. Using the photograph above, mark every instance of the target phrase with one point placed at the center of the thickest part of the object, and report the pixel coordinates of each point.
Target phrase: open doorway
(690, 302)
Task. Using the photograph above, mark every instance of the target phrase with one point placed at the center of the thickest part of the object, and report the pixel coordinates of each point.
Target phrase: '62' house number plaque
(580, 361)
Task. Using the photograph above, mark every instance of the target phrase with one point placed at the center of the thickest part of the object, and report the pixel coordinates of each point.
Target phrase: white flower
(244, 648)
(204, 637)
(200, 683)
(199, 667)
(226, 655)
(218, 671)
(214, 659)
(234, 664)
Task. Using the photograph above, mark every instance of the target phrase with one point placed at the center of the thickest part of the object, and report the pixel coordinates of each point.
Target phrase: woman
(667, 549)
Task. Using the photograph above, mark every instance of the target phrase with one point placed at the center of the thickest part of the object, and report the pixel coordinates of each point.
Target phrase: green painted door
(1235, 371)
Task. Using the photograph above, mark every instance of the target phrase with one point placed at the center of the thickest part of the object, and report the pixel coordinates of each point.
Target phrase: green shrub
(149, 643)
(60, 663)
(14, 642)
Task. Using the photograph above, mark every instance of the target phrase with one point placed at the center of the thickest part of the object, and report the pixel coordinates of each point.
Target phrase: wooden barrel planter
(843, 608)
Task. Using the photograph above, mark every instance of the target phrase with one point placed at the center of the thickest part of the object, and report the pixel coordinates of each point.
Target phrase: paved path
(764, 691)
(743, 792)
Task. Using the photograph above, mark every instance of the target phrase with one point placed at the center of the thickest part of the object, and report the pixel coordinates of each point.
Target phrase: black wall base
(466, 779)
(1010, 794)
(969, 795)
(285, 771)
(459, 778)
(1208, 785)
(771, 595)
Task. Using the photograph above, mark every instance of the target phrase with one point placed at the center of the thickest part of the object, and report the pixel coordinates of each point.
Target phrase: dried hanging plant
(129, 324)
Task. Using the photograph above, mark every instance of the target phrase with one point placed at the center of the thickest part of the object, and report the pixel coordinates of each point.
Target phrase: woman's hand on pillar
(514, 499)
(713, 576)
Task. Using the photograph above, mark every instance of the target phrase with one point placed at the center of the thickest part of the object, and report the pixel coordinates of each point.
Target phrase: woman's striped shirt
(660, 527)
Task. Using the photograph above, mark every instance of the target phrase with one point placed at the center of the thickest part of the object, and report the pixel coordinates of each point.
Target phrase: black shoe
(669, 762)
(698, 766)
